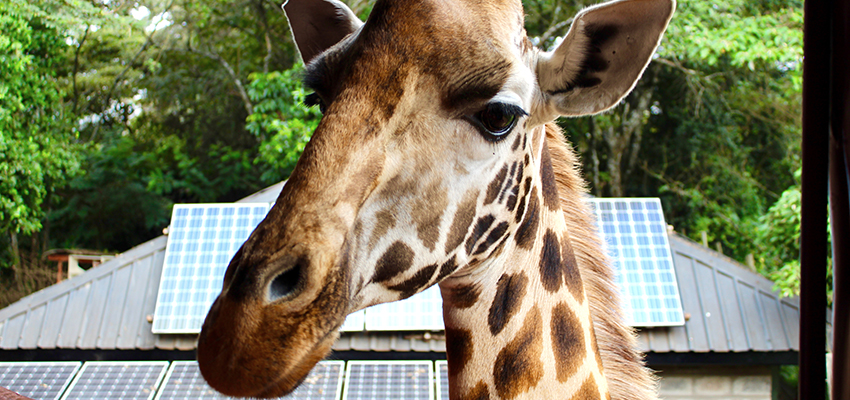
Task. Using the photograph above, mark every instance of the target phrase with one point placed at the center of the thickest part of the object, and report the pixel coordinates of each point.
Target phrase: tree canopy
(112, 111)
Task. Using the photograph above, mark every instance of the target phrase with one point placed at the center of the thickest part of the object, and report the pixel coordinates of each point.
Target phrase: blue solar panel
(184, 382)
(202, 239)
(38, 380)
(389, 380)
(422, 311)
(354, 322)
(442, 380)
(636, 234)
(117, 380)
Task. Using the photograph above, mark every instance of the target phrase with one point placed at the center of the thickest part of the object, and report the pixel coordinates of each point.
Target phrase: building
(736, 333)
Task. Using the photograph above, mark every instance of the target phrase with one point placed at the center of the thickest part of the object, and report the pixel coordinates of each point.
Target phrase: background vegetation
(112, 111)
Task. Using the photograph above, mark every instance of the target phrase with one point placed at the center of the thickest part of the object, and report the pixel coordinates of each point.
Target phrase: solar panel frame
(81, 380)
(422, 311)
(198, 389)
(442, 379)
(202, 239)
(52, 390)
(635, 232)
(374, 389)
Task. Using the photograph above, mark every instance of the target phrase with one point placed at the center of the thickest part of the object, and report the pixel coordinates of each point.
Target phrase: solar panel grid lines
(202, 239)
(422, 311)
(38, 380)
(389, 380)
(442, 367)
(132, 380)
(184, 382)
(323, 383)
(636, 235)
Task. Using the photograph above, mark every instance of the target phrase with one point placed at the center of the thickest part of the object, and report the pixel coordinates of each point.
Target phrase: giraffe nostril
(285, 283)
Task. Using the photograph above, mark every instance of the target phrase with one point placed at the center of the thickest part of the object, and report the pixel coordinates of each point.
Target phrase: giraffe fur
(436, 163)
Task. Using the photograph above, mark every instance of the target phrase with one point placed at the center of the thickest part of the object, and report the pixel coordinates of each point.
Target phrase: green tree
(37, 152)
(281, 121)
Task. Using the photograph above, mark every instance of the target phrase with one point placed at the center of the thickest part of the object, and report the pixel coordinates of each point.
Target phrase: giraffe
(436, 162)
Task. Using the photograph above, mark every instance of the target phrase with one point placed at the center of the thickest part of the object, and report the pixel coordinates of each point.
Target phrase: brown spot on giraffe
(481, 226)
(528, 228)
(427, 214)
(447, 268)
(510, 291)
(462, 220)
(464, 296)
(547, 181)
(567, 341)
(518, 365)
(478, 392)
(495, 235)
(459, 349)
(516, 143)
(384, 221)
(551, 270)
(418, 281)
(588, 390)
(508, 183)
(397, 259)
(495, 185)
(572, 276)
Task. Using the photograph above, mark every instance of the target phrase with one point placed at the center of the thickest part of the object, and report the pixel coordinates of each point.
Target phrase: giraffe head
(422, 166)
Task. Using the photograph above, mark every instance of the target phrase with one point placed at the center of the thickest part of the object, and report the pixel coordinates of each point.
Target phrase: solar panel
(117, 380)
(184, 382)
(354, 322)
(423, 311)
(442, 380)
(37, 380)
(636, 233)
(323, 383)
(202, 239)
(390, 380)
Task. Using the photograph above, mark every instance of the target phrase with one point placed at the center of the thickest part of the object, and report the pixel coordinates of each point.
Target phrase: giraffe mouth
(287, 381)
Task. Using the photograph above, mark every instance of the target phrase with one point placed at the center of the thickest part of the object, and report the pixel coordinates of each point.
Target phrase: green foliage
(36, 148)
(738, 33)
(281, 121)
(778, 234)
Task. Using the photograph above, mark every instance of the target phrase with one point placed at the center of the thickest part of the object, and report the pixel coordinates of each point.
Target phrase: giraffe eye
(496, 120)
(313, 99)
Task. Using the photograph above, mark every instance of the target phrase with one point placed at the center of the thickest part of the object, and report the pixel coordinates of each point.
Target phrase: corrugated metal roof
(731, 310)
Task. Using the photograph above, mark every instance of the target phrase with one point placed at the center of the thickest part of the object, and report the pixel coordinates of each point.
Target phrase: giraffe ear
(319, 24)
(602, 56)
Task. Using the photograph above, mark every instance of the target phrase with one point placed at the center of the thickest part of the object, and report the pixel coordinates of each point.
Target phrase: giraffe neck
(518, 325)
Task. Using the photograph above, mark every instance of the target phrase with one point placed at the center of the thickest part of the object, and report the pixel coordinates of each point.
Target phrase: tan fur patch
(478, 392)
(588, 391)
(427, 214)
(462, 220)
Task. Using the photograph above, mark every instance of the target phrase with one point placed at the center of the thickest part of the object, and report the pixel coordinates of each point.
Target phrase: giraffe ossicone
(436, 162)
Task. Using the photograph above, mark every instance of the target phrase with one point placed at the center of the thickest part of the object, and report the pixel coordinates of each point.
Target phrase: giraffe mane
(624, 369)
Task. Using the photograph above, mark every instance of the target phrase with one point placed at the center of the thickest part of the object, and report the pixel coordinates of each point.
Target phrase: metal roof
(111, 307)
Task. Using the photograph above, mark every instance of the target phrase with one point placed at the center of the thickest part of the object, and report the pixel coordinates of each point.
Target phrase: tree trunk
(16, 259)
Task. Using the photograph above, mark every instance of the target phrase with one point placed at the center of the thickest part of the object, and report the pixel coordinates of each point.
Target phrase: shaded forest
(113, 111)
